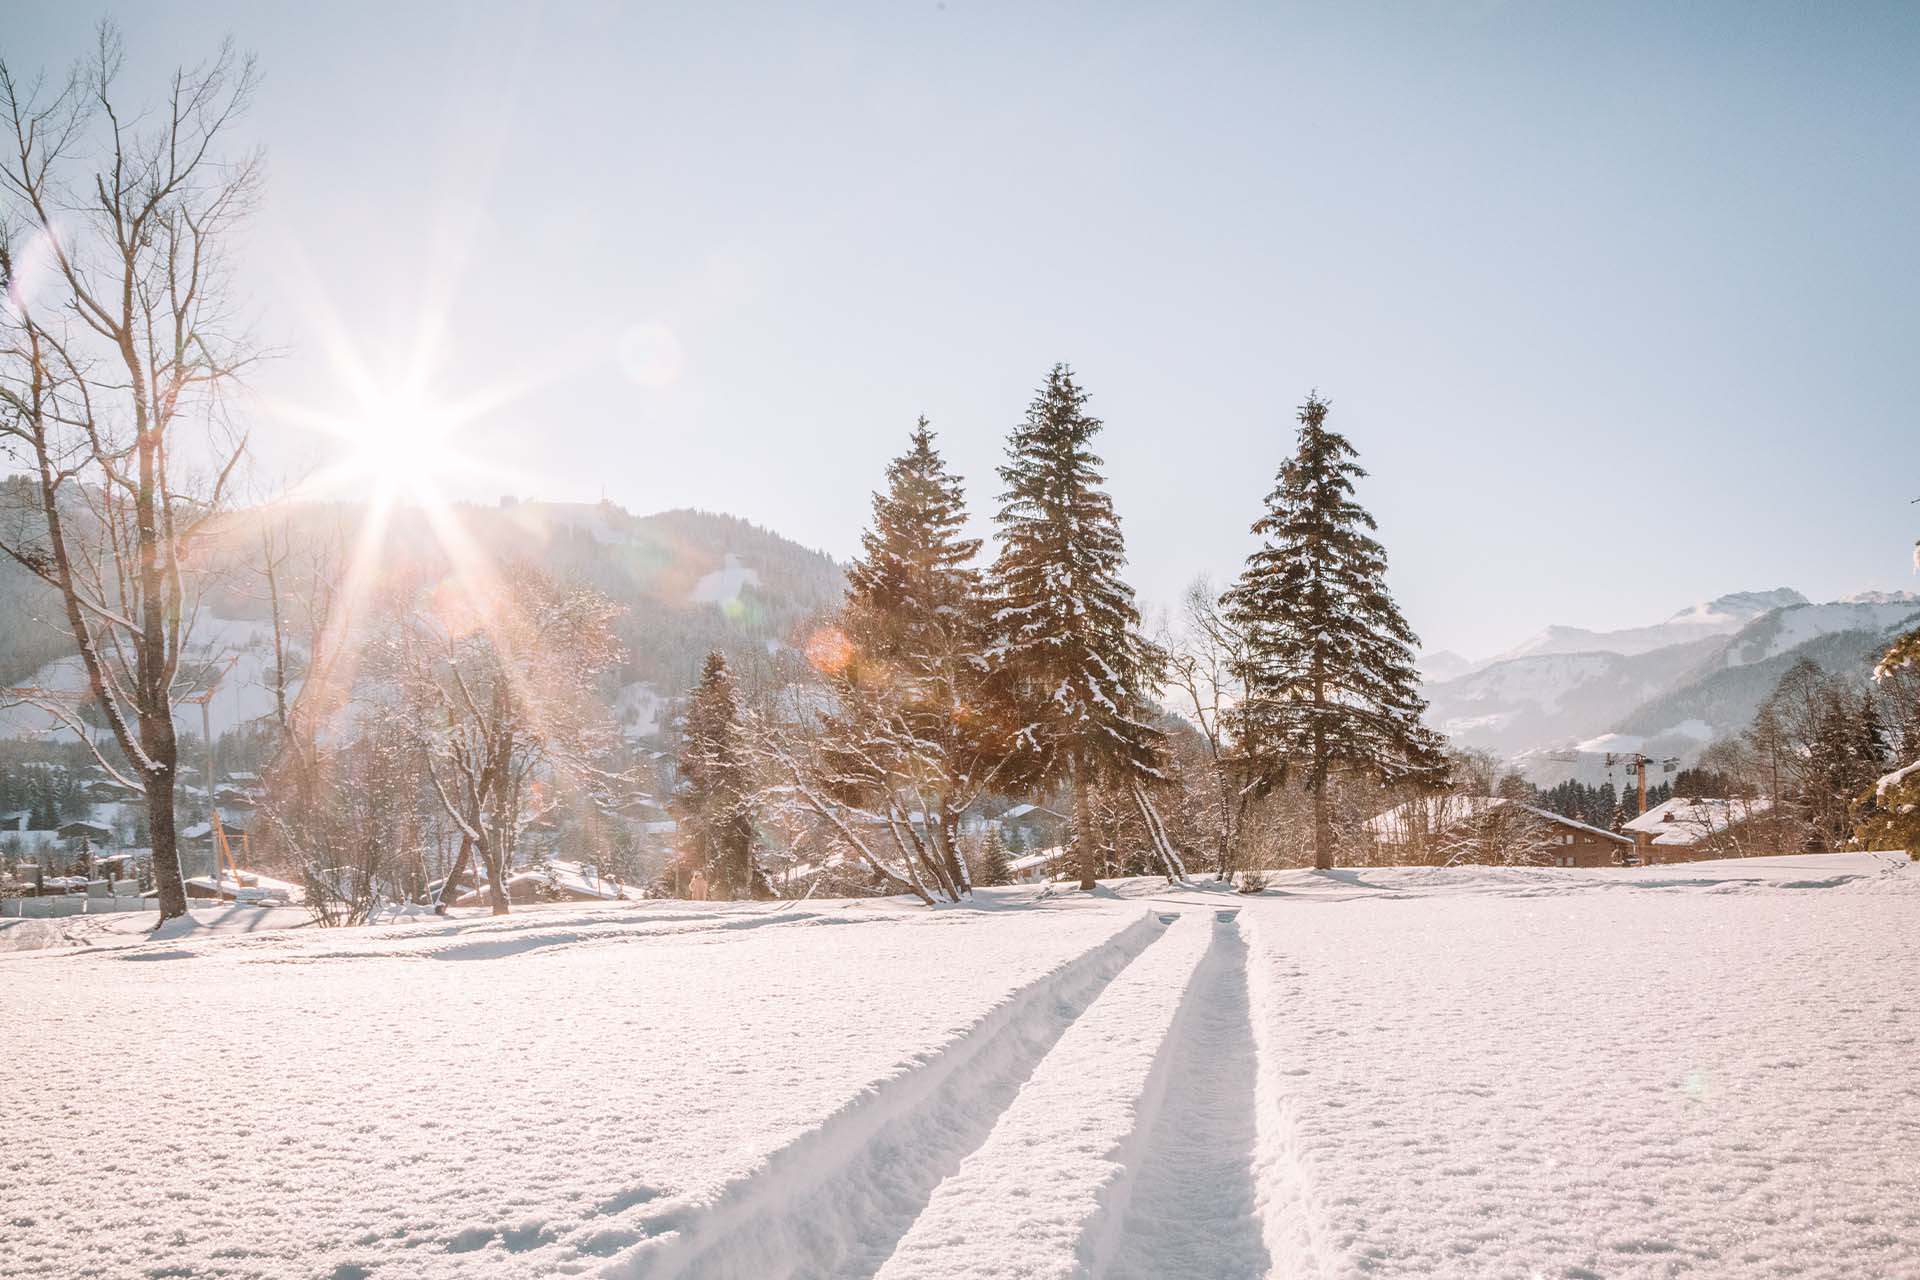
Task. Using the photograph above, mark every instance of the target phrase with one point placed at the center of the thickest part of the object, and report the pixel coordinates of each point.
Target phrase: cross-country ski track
(1688, 1070)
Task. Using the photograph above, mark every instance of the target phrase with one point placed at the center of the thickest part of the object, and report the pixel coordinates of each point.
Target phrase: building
(552, 881)
(1680, 830)
(1447, 829)
(1031, 826)
(1038, 868)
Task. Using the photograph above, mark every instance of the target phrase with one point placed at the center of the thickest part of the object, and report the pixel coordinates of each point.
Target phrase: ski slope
(1697, 1069)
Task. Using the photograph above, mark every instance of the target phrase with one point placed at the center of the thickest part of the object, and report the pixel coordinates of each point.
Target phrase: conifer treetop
(915, 576)
(1328, 663)
(1068, 631)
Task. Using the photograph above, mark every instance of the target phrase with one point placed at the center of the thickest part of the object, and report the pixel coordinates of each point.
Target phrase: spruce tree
(995, 866)
(915, 731)
(1068, 644)
(713, 803)
(1327, 667)
(913, 593)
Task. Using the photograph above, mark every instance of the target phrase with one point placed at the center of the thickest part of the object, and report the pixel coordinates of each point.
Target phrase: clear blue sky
(1617, 301)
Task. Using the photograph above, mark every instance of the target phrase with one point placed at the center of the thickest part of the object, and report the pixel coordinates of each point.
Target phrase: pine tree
(913, 593)
(915, 732)
(713, 805)
(1328, 666)
(1068, 642)
(995, 866)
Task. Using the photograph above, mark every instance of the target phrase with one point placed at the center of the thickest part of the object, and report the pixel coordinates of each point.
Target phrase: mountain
(688, 581)
(1719, 617)
(1666, 689)
(1444, 665)
(1556, 699)
(1723, 695)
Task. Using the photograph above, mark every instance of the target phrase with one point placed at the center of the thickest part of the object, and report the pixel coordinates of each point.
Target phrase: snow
(723, 585)
(1693, 1076)
(1065, 1140)
(245, 692)
(576, 878)
(1722, 616)
(1681, 821)
(1413, 819)
(638, 709)
(1701, 1067)
(1789, 628)
(1889, 781)
(251, 886)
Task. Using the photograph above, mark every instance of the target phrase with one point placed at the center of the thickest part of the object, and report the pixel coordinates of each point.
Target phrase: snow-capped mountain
(1666, 689)
(1718, 617)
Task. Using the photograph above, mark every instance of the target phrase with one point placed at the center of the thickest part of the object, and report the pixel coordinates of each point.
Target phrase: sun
(403, 447)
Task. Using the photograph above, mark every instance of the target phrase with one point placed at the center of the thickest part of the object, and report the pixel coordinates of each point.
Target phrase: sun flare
(402, 449)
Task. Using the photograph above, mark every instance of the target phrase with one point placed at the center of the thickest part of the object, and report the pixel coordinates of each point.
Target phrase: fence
(69, 904)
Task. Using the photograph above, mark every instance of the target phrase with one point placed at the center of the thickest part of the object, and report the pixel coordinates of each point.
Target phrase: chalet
(555, 881)
(1031, 826)
(1037, 868)
(92, 832)
(243, 886)
(1452, 828)
(1680, 830)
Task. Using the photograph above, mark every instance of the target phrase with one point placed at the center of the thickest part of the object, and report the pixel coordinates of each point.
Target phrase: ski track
(1190, 1210)
(836, 1201)
(1195, 1095)
(1004, 1213)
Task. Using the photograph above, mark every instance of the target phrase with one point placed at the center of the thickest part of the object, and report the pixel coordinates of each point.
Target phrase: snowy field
(1704, 1069)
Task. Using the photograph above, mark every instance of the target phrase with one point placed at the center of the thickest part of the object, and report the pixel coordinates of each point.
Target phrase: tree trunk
(496, 875)
(1083, 824)
(1322, 830)
(166, 849)
(451, 885)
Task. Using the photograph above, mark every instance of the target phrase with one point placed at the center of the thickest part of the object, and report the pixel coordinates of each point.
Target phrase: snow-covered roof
(1431, 814)
(1685, 822)
(251, 884)
(570, 877)
(1020, 811)
(1039, 859)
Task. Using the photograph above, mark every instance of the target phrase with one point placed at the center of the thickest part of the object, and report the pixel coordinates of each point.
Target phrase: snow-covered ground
(1703, 1068)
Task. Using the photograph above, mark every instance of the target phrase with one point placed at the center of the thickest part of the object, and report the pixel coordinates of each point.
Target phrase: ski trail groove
(1035, 1197)
(834, 1202)
(1287, 1203)
(1186, 1207)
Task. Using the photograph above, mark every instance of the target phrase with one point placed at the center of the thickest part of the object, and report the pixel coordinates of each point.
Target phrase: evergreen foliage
(1068, 645)
(995, 865)
(1327, 665)
(714, 801)
(914, 738)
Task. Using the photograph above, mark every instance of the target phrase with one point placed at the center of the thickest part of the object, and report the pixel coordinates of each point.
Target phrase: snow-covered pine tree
(714, 802)
(1068, 645)
(995, 866)
(1328, 660)
(915, 736)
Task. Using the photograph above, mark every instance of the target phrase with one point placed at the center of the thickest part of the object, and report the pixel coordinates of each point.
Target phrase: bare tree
(1498, 833)
(1200, 663)
(498, 682)
(119, 337)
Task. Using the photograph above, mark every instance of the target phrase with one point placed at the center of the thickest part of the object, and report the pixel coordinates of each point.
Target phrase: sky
(1615, 300)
